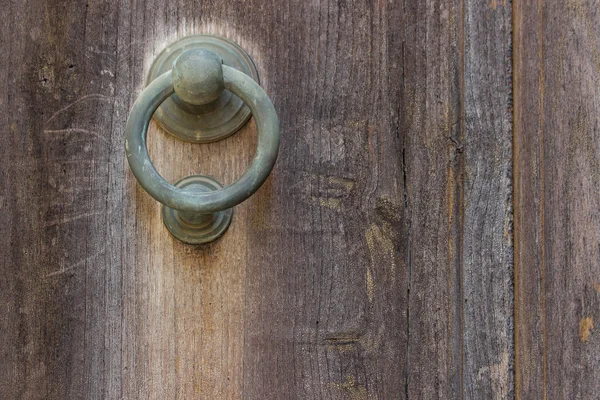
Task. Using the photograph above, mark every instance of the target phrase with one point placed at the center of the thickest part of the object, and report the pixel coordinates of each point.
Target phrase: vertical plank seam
(516, 53)
(542, 193)
(408, 269)
(407, 213)
(123, 190)
(461, 194)
(86, 377)
(450, 207)
(107, 272)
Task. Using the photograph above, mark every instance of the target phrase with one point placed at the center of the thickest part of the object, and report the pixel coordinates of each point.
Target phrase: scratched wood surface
(557, 162)
(375, 263)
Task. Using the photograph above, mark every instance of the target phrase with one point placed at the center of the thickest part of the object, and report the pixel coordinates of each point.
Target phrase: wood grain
(375, 263)
(327, 316)
(458, 137)
(487, 243)
(557, 121)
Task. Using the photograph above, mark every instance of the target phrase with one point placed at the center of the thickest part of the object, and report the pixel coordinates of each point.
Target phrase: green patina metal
(194, 228)
(207, 122)
(197, 209)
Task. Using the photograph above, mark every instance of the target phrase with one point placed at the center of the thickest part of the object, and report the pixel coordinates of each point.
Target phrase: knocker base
(197, 228)
(209, 122)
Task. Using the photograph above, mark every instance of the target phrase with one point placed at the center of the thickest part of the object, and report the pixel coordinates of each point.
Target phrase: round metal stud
(203, 123)
(194, 228)
(198, 76)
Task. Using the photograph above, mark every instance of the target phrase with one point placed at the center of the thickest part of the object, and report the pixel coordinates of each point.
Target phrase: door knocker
(201, 89)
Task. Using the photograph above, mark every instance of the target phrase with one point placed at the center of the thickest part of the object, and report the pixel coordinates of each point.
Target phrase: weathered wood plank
(326, 313)
(530, 368)
(431, 102)
(487, 202)
(557, 124)
(184, 321)
(58, 111)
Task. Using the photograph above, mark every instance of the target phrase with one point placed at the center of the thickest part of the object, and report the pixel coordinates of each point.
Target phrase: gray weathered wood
(487, 244)
(458, 135)
(557, 127)
(375, 263)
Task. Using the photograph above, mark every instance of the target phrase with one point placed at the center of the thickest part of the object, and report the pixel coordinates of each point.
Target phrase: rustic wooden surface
(458, 135)
(557, 127)
(375, 263)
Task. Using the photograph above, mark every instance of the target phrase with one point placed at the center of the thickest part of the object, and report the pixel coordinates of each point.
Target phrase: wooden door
(430, 229)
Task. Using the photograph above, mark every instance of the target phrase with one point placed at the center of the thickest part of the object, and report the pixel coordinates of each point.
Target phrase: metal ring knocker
(198, 209)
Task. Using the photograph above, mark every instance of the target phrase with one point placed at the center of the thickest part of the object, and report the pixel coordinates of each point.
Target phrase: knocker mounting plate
(197, 228)
(210, 122)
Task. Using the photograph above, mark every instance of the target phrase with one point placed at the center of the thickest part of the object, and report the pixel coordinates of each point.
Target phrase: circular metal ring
(267, 125)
